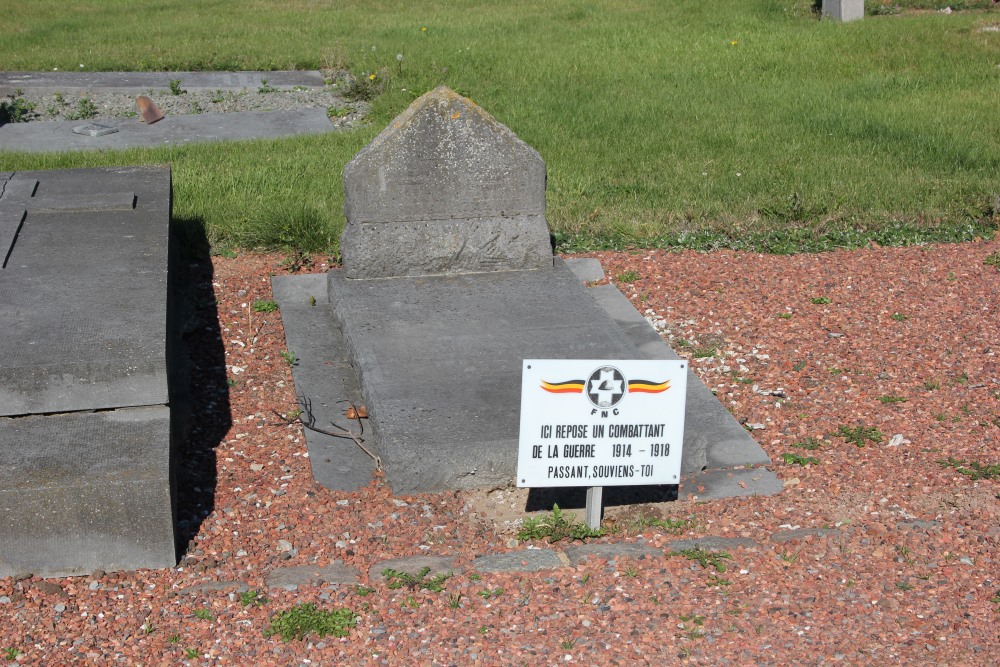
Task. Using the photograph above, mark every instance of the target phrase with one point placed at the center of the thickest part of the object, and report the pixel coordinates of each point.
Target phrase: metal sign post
(595, 506)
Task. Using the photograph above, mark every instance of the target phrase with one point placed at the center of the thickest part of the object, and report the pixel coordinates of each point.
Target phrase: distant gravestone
(444, 189)
(844, 10)
(87, 371)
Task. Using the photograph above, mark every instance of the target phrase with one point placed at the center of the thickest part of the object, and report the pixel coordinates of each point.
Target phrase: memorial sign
(601, 423)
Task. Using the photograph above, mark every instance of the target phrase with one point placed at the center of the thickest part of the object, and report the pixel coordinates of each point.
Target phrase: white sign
(601, 423)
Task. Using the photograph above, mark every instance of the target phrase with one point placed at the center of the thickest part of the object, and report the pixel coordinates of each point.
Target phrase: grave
(843, 10)
(88, 371)
(71, 135)
(448, 283)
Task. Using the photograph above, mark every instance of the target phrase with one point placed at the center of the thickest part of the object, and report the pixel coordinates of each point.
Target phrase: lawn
(689, 122)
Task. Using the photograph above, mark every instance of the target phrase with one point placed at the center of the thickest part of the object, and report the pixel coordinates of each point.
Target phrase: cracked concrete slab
(87, 366)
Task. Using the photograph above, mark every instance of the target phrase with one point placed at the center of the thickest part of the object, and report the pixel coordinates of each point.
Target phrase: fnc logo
(606, 387)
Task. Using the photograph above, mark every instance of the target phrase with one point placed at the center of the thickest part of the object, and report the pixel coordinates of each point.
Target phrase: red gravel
(910, 576)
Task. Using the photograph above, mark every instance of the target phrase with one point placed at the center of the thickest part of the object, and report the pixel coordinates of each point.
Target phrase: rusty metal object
(148, 110)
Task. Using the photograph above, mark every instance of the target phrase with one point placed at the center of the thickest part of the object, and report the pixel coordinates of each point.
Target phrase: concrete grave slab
(83, 82)
(55, 136)
(439, 363)
(444, 189)
(84, 491)
(720, 458)
(83, 292)
(324, 381)
(89, 355)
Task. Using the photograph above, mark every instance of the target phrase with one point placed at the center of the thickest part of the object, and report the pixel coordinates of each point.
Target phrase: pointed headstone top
(445, 188)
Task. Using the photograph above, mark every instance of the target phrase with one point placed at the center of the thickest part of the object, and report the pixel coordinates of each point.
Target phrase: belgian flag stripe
(567, 387)
(648, 386)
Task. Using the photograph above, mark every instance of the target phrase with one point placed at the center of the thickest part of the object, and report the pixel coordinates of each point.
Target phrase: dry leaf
(356, 412)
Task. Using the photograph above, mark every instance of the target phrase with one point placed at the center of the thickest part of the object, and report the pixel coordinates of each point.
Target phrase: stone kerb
(444, 189)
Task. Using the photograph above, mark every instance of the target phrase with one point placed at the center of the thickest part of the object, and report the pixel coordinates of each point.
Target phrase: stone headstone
(844, 10)
(445, 189)
(87, 372)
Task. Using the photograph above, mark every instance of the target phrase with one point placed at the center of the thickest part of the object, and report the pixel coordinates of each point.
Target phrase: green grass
(705, 558)
(694, 123)
(799, 459)
(859, 435)
(555, 526)
(305, 619)
(974, 470)
(398, 579)
(262, 306)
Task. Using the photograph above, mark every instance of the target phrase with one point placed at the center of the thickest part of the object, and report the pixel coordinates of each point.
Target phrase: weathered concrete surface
(85, 491)
(290, 578)
(843, 10)
(54, 136)
(525, 560)
(439, 361)
(87, 324)
(324, 382)
(579, 553)
(109, 82)
(83, 306)
(444, 189)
